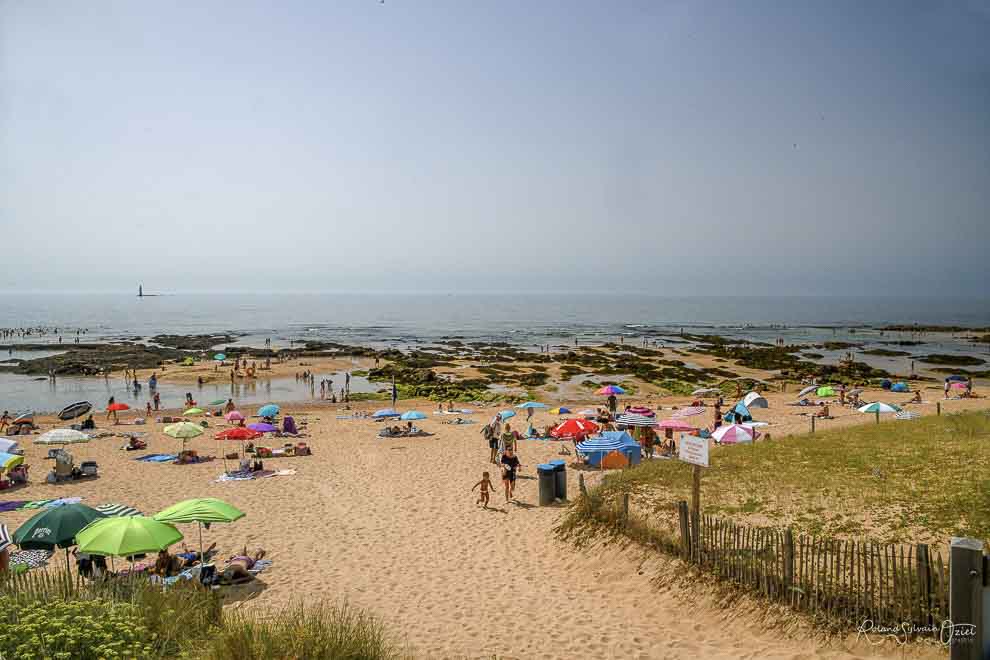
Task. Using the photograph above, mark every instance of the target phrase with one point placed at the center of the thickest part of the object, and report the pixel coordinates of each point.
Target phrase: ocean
(421, 319)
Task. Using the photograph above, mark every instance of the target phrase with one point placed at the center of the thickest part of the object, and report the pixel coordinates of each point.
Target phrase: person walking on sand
(486, 489)
(395, 392)
(508, 439)
(110, 402)
(510, 463)
(157, 400)
(488, 432)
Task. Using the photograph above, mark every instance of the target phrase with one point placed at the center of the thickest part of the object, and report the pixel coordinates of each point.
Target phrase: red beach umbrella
(117, 407)
(574, 428)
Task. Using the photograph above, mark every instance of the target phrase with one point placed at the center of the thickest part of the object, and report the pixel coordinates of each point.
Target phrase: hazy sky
(671, 147)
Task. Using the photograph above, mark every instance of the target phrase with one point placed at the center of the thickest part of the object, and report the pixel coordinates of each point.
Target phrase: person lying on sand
(238, 567)
(191, 557)
(486, 487)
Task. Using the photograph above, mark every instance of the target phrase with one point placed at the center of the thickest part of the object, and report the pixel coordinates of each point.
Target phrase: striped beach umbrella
(117, 510)
(633, 419)
(676, 425)
(5, 541)
(734, 434)
(61, 437)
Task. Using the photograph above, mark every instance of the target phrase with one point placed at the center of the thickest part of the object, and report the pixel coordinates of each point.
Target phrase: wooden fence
(839, 580)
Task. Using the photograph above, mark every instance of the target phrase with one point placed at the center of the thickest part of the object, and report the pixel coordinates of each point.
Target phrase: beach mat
(157, 458)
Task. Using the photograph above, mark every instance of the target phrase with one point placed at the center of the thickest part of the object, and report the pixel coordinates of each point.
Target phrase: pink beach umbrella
(958, 386)
(735, 434)
(676, 425)
(234, 416)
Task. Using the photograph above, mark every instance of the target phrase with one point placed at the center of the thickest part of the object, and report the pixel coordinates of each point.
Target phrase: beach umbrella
(807, 390)
(688, 411)
(8, 446)
(193, 411)
(118, 407)
(636, 420)
(734, 434)
(220, 357)
(55, 528)
(61, 437)
(755, 400)
(385, 412)
(126, 537)
(958, 385)
(240, 433)
(234, 416)
(218, 402)
(183, 430)
(879, 407)
(9, 461)
(268, 410)
(24, 417)
(560, 411)
(532, 404)
(675, 424)
(906, 415)
(412, 415)
(261, 427)
(610, 389)
(117, 510)
(188, 362)
(200, 510)
(74, 410)
(825, 390)
(506, 414)
(5, 541)
(574, 428)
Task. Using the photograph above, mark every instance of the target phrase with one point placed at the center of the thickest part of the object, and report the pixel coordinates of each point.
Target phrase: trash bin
(560, 478)
(546, 475)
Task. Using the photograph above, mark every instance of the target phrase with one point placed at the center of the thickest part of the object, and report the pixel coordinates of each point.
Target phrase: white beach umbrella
(61, 437)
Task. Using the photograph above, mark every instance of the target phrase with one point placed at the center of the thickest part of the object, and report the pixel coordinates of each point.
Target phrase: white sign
(693, 449)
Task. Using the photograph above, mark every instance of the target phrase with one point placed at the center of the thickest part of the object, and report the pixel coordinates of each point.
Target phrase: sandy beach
(391, 525)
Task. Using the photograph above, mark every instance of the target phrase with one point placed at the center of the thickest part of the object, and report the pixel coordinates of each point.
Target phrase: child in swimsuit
(486, 487)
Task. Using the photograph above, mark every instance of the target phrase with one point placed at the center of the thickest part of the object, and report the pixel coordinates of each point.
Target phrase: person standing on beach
(5, 420)
(488, 433)
(110, 402)
(510, 463)
(613, 403)
(395, 392)
(157, 400)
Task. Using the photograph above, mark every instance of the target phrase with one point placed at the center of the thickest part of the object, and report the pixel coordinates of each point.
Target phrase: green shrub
(78, 629)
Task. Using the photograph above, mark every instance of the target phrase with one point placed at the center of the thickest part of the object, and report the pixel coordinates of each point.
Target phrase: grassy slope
(913, 481)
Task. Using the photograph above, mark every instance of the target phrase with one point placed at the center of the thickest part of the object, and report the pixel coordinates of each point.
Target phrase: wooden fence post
(581, 486)
(812, 423)
(966, 598)
(924, 582)
(788, 562)
(625, 507)
(682, 513)
(938, 408)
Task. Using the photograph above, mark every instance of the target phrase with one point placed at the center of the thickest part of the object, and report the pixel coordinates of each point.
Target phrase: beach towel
(12, 505)
(157, 458)
(260, 566)
(30, 558)
(34, 504)
(62, 501)
(239, 475)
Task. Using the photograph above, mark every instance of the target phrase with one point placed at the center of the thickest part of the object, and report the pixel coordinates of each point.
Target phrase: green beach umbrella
(218, 402)
(188, 362)
(194, 411)
(55, 528)
(200, 510)
(126, 537)
(183, 430)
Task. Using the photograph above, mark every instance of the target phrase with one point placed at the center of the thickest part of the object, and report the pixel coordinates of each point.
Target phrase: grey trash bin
(547, 477)
(560, 478)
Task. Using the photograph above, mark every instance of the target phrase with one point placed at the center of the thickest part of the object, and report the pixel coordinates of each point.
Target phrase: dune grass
(47, 615)
(900, 481)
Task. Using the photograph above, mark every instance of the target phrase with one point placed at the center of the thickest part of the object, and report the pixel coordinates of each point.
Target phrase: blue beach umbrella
(506, 414)
(269, 410)
(385, 412)
(532, 404)
(412, 415)
(220, 357)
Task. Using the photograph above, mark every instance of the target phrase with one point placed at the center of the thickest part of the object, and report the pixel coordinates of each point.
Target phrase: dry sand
(391, 526)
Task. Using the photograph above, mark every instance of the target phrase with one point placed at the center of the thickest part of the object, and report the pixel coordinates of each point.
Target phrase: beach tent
(825, 390)
(385, 412)
(755, 400)
(739, 413)
(597, 447)
(899, 387)
(885, 384)
(956, 378)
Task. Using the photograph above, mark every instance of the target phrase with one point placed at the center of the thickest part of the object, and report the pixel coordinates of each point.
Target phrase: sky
(675, 148)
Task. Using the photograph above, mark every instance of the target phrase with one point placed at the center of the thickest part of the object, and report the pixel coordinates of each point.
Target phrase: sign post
(694, 450)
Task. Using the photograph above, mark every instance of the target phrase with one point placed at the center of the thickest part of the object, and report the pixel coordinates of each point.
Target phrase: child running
(486, 488)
